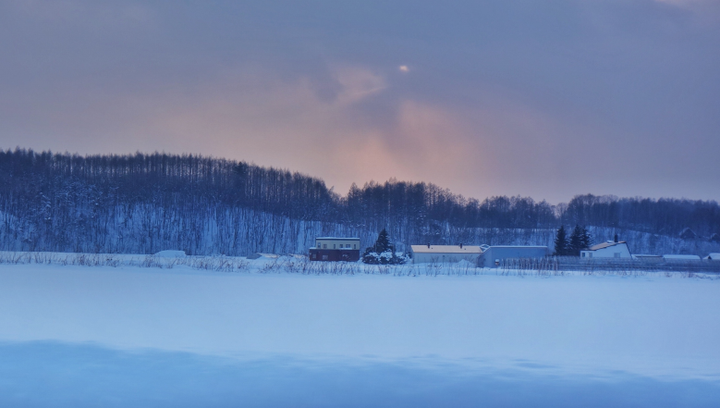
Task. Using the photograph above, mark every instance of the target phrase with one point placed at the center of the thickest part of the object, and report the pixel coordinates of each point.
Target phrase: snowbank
(170, 254)
(88, 330)
(640, 325)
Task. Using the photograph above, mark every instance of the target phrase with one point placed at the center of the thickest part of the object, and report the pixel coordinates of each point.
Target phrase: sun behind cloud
(404, 68)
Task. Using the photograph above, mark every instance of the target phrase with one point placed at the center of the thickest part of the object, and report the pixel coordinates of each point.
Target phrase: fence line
(550, 266)
(565, 263)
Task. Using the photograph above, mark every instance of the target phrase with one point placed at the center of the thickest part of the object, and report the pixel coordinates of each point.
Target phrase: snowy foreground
(125, 334)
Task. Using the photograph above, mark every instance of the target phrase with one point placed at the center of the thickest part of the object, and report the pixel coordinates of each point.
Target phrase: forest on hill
(144, 203)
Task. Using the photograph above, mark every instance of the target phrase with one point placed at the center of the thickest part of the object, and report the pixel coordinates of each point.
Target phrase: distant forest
(144, 203)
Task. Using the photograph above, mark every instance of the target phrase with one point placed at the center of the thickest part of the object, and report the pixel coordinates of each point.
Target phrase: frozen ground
(74, 335)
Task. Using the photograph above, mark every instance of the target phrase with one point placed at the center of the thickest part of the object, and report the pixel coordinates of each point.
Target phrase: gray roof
(340, 238)
(605, 245)
(681, 257)
(518, 246)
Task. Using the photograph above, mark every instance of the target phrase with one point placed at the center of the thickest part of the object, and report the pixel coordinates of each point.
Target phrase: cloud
(704, 11)
(104, 16)
(288, 125)
(686, 3)
(524, 97)
(357, 84)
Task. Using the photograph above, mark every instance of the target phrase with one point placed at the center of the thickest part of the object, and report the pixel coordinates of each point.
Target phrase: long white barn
(445, 253)
(495, 254)
(483, 255)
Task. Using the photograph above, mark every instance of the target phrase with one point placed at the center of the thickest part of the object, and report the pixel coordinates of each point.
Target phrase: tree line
(147, 202)
(579, 240)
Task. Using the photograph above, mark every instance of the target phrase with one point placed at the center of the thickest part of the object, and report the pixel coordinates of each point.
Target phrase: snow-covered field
(269, 333)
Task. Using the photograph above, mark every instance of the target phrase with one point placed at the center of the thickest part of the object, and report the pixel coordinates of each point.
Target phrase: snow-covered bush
(384, 258)
(382, 253)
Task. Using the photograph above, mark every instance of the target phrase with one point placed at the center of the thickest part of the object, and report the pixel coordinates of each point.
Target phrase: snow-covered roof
(682, 257)
(715, 256)
(517, 246)
(607, 244)
(262, 255)
(340, 238)
(446, 249)
(171, 254)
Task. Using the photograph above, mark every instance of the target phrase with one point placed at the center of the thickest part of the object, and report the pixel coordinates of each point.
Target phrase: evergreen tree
(383, 243)
(382, 252)
(585, 239)
(145, 203)
(576, 244)
(561, 242)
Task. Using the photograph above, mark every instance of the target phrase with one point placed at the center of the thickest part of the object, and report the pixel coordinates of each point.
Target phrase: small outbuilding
(444, 253)
(608, 249)
(715, 256)
(335, 249)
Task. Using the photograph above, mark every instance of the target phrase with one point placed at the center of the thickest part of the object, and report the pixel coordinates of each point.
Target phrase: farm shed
(444, 253)
(498, 253)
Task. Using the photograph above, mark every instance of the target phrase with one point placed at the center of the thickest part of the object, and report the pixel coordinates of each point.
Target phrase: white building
(337, 243)
(444, 253)
(609, 249)
(715, 256)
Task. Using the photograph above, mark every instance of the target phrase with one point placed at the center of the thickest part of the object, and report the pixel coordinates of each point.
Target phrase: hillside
(147, 203)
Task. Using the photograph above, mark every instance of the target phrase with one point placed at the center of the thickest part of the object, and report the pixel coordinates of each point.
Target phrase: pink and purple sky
(546, 99)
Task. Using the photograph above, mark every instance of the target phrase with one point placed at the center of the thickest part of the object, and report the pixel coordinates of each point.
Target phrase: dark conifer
(383, 242)
(561, 242)
(378, 253)
(585, 239)
(576, 241)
